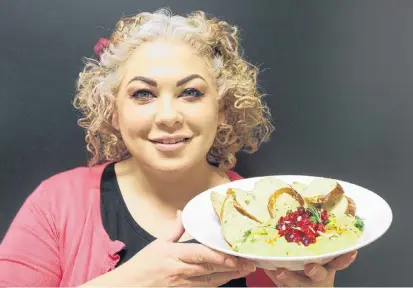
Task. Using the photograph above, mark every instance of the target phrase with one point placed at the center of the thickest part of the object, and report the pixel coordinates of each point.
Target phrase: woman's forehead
(166, 59)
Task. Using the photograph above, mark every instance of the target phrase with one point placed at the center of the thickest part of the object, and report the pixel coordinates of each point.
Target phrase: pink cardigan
(58, 239)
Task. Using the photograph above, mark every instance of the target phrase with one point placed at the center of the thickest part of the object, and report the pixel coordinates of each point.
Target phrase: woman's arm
(29, 254)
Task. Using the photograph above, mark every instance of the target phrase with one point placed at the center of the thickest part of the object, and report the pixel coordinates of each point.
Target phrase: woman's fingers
(316, 272)
(202, 266)
(284, 277)
(194, 270)
(216, 279)
(342, 262)
(199, 254)
(313, 274)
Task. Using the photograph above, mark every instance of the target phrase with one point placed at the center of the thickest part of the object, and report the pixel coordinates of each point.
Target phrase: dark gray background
(339, 75)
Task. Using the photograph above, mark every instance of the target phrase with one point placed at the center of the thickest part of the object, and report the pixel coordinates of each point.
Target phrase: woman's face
(167, 106)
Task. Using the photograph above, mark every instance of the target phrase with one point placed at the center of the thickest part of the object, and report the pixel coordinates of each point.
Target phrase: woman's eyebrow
(153, 83)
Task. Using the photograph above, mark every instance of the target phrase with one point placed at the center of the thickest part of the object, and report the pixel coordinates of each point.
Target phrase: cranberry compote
(303, 225)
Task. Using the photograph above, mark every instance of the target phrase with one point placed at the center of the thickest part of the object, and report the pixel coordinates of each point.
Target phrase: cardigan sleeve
(29, 253)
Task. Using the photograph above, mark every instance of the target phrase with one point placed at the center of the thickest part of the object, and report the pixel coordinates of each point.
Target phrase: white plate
(201, 222)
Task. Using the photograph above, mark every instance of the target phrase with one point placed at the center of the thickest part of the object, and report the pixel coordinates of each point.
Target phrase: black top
(120, 225)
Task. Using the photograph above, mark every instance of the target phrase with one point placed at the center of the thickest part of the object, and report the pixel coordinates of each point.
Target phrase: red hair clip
(100, 45)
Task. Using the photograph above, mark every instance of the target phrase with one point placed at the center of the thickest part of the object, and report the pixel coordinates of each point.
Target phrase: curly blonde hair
(247, 122)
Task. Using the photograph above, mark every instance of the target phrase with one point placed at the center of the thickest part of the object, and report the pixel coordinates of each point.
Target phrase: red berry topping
(297, 226)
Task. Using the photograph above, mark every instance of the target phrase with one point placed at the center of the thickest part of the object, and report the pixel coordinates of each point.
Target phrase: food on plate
(321, 190)
(217, 201)
(279, 219)
(252, 202)
(341, 205)
(233, 222)
(249, 204)
(283, 200)
(298, 186)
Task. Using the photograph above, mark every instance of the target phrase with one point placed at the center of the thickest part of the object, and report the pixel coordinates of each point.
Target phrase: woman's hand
(313, 275)
(165, 263)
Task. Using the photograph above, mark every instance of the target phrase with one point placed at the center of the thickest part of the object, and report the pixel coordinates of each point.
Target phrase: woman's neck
(168, 189)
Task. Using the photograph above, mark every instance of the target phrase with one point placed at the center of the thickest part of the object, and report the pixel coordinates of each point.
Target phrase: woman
(166, 107)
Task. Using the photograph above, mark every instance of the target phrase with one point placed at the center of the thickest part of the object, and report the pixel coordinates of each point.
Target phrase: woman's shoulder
(71, 185)
(78, 176)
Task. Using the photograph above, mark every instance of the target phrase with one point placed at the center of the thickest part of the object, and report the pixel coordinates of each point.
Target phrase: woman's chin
(173, 165)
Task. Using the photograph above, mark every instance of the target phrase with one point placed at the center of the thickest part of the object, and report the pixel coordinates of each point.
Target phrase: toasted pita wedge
(217, 201)
(233, 223)
(298, 186)
(254, 204)
(282, 200)
(250, 205)
(262, 192)
(340, 206)
(265, 187)
(321, 190)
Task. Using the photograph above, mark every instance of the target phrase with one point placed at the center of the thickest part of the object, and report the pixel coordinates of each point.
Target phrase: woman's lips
(171, 145)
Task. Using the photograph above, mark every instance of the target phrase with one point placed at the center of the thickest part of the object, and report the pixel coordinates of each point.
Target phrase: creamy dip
(264, 240)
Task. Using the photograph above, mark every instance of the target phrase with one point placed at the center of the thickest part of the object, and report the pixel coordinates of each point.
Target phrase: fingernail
(354, 256)
(178, 213)
(312, 272)
(231, 262)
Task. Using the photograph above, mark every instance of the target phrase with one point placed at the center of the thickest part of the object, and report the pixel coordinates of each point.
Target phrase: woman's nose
(167, 112)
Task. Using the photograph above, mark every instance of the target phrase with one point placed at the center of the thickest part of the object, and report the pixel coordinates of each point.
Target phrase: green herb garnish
(246, 235)
(315, 217)
(289, 211)
(359, 223)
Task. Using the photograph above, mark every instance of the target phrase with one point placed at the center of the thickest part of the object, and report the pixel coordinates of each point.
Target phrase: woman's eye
(192, 93)
(142, 95)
